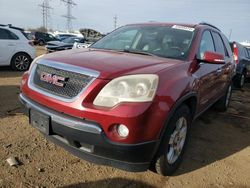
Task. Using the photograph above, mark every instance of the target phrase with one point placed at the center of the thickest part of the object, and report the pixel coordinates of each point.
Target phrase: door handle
(11, 45)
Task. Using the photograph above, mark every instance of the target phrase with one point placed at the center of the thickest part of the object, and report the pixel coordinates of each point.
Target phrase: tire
(166, 164)
(223, 103)
(41, 42)
(240, 80)
(20, 62)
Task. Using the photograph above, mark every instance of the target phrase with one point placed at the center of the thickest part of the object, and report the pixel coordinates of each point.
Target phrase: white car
(78, 45)
(15, 48)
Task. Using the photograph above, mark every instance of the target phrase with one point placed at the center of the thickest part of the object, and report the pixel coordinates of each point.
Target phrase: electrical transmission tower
(45, 12)
(68, 16)
(115, 21)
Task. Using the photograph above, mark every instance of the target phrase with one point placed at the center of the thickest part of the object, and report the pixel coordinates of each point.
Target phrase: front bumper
(87, 140)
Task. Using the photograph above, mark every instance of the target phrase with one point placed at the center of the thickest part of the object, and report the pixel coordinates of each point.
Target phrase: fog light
(122, 130)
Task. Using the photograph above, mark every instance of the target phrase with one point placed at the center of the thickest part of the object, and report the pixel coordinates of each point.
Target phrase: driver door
(207, 74)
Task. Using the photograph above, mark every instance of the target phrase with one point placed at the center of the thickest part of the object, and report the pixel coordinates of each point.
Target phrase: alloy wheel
(177, 140)
(22, 62)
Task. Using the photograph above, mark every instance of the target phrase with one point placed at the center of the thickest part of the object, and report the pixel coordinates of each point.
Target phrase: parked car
(79, 45)
(15, 48)
(242, 59)
(85, 44)
(29, 35)
(61, 37)
(41, 38)
(129, 100)
(63, 45)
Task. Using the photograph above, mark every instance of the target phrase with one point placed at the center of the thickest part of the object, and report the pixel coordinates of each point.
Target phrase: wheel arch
(20, 52)
(189, 99)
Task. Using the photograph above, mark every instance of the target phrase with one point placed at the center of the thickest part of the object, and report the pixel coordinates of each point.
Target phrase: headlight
(132, 88)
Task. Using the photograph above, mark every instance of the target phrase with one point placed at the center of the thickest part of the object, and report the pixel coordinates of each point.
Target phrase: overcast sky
(98, 14)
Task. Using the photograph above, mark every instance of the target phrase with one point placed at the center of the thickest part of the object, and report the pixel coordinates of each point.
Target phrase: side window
(227, 45)
(12, 35)
(7, 35)
(246, 53)
(206, 44)
(51, 36)
(241, 51)
(3, 34)
(219, 46)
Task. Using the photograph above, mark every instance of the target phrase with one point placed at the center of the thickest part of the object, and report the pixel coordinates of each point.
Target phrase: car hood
(111, 64)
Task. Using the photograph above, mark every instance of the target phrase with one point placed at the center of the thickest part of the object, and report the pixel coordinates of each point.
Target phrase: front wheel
(174, 142)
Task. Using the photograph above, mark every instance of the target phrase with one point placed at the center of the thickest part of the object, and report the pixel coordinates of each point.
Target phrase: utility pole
(45, 12)
(115, 21)
(68, 16)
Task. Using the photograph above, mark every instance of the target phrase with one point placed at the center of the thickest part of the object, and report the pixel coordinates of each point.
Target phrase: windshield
(171, 42)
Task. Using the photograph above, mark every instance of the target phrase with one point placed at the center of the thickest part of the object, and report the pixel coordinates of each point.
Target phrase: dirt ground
(218, 153)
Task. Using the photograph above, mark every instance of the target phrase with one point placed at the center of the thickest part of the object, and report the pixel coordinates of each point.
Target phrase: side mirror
(213, 58)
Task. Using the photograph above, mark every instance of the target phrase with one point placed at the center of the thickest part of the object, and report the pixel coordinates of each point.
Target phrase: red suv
(129, 100)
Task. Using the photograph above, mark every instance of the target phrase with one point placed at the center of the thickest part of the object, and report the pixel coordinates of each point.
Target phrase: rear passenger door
(8, 42)
(223, 70)
(206, 72)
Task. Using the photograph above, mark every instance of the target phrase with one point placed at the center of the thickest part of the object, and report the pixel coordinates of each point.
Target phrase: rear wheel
(20, 62)
(174, 142)
(41, 42)
(240, 80)
(224, 101)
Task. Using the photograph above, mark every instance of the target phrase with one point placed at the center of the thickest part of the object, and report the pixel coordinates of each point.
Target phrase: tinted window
(7, 35)
(241, 51)
(219, 46)
(206, 44)
(51, 36)
(228, 47)
(246, 52)
(12, 35)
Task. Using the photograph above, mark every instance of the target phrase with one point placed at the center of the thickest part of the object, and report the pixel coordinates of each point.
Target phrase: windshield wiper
(138, 52)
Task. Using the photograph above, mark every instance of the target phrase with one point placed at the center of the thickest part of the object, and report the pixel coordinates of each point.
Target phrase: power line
(45, 12)
(68, 16)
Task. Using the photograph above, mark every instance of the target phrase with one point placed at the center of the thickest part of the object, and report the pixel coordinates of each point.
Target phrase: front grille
(74, 82)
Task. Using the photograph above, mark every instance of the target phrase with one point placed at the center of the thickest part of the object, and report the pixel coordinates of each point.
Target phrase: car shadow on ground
(9, 103)
(215, 136)
(111, 183)
(7, 72)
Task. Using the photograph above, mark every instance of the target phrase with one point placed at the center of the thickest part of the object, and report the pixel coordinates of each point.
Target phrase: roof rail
(12, 27)
(208, 24)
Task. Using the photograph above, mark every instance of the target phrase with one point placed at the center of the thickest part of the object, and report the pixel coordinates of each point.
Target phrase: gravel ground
(218, 154)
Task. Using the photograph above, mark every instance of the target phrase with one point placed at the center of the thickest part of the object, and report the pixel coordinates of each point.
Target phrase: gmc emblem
(53, 79)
